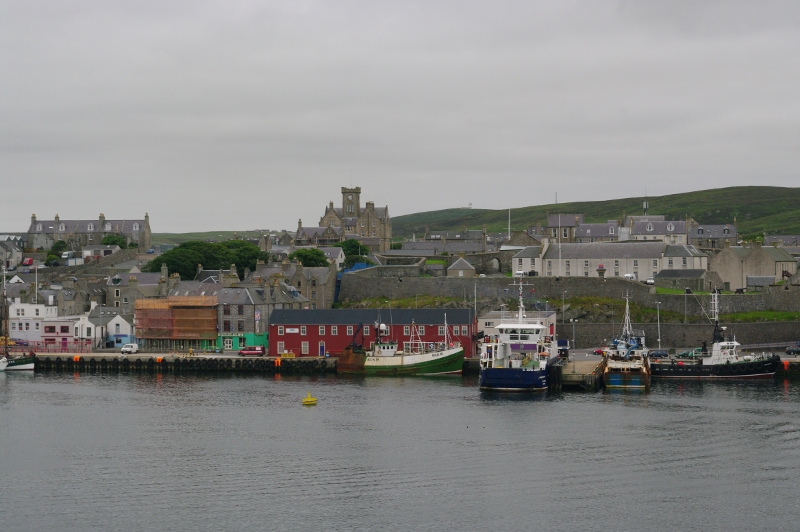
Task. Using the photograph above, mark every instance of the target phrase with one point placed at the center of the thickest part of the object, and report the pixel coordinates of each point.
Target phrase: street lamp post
(573, 321)
(658, 317)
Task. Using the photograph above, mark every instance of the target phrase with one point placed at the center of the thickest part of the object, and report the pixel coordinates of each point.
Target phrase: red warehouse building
(315, 332)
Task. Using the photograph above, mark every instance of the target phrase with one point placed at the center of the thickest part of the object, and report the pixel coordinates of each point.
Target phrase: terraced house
(42, 234)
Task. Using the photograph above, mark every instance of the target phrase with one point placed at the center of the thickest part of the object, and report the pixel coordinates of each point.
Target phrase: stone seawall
(679, 335)
(388, 282)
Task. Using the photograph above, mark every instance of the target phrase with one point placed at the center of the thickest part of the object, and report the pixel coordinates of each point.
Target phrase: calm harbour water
(124, 452)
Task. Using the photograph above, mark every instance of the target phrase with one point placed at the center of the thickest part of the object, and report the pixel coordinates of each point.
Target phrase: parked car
(53, 263)
(629, 277)
(253, 350)
(658, 353)
(27, 262)
(793, 351)
(691, 353)
(11, 268)
(649, 280)
(41, 266)
(150, 251)
(129, 349)
(26, 270)
(598, 351)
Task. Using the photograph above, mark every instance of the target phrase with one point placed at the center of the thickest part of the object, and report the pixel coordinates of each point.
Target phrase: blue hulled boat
(516, 359)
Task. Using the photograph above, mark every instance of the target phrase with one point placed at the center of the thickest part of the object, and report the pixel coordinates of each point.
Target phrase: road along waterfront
(142, 451)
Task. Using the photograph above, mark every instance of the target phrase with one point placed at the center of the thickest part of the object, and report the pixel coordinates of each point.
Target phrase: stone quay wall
(389, 282)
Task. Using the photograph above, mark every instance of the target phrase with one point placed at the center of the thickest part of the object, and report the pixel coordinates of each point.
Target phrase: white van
(519, 273)
(629, 277)
(68, 255)
(130, 348)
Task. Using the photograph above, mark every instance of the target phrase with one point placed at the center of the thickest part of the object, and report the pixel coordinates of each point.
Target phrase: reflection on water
(146, 452)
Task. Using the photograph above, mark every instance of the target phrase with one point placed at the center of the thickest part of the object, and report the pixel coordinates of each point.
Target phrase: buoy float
(308, 400)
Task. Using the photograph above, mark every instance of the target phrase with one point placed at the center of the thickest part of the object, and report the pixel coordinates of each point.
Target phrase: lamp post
(658, 317)
(563, 295)
(573, 321)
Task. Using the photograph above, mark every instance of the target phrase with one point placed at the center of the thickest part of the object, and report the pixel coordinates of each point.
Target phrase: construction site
(178, 323)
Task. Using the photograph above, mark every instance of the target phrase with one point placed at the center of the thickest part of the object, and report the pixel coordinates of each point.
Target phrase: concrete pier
(580, 372)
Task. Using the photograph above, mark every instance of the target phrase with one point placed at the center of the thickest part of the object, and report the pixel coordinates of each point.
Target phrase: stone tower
(351, 202)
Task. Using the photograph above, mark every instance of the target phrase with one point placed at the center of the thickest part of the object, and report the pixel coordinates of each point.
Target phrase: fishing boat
(21, 362)
(627, 365)
(722, 362)
(516, 359)
(417, 357)
(11, 362)
(3, 363)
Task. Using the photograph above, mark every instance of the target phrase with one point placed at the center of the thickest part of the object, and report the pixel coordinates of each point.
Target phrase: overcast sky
(252, 114)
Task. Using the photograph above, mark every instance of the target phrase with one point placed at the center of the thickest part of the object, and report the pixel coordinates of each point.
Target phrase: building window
(616, 264)
(334, 330)
(302, 330)
(241, 310)
(313, 294)
(14, 326)
(586, 274)
(549, 264)
(349, 330)
(362, 223)
(280, 330)
(669, 262)
(226, 325)
(700, 231)
(366, 330)
(62, 227)
(684, 261)
(519, 263)
(240, 326)
(226, 310)
(464, 331)
(37, 327)
(65, 329)
(304, 348)
(37, 311)
(635, 263)
(242, 342)
(421, 329)
(726, 231)
(655, 263)
(441, 330)
(322, 330)
(586, 264)
(50, 329)
(565, 232)
(281, 347)
(116, 292)
(616, 274)
(567, 265)
(649, 227)
(406, 330)
(455, 329)
(38, 227)
(116, 303)
(124, 299)
(116, 328)
(108, 227)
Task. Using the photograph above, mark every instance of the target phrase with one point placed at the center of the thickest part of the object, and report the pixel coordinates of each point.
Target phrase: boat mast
(4, 324)
(627, 329)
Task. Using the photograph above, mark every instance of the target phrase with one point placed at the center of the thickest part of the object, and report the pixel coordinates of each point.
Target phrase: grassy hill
(207, 236)
(774, 210)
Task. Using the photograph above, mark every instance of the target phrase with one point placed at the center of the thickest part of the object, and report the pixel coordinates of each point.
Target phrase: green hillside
(207, 236)
(774, 210)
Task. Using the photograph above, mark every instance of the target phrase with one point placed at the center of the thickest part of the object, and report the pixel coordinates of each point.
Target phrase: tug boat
(722, 362)
(517, 358)
(416, 358)
(627, 365)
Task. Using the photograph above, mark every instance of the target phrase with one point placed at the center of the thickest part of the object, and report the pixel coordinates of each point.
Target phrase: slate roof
(101, 247)
(470, 234)
(380, 212)
(370, 316)
(101, 315)
(82, 226)
(9, 246)
(680, 274)
(680, 250)
(713, 231)
(14, 290)
(312, 232)
(530, 252)
(597, 231)
(566, 220)
(409, 252)
(606, 250)
(465, 246)
(787, 240)
(670, 227)
(461, 264)
(144, 279)
(778, 254)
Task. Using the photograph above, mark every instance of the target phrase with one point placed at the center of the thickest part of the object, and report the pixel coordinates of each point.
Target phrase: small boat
(416, 358)
(21, 363)
(723, 362)
(517, 358)
(627, 365)
(3, 363)
(309, 401)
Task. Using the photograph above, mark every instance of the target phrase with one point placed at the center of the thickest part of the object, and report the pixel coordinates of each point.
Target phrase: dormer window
(700, 231)
(726, 231)
(610, 230)
(649, 227)
(670, 227)
(90, 227)
(588, 231)
(61, 227)
(135, 227)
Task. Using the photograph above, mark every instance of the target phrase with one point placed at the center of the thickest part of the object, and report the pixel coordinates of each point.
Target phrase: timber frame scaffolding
(178, 322)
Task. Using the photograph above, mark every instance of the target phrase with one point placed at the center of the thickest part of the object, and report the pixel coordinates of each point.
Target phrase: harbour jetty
(180, 363)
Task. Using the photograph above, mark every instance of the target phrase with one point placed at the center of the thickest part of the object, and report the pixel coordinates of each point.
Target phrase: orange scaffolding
(177, 318)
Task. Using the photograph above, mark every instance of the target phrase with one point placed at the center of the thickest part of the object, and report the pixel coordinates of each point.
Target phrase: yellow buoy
(309, 401)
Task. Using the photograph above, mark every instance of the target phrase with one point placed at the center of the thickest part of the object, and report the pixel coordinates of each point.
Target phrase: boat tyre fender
(151, 362)
(176, 364)
(229, 363)
(751, 367)
(115, 363)
(238, 364)
(103, 364)
(323, 365)
(138, 363)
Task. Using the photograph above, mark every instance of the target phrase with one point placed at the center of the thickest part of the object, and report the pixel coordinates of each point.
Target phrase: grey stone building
(735, 263)
(370, 225)
(42, 234)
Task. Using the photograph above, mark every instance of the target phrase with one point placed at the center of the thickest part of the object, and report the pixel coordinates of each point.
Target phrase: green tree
(110, 240)
(352, 247)
(310, 257)
(213, 256)
(58, 248)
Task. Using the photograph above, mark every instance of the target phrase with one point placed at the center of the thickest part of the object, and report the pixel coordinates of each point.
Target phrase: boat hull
(446, 362)
(756, 369)
(21, 364)
(513, 380)
(626, 380)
